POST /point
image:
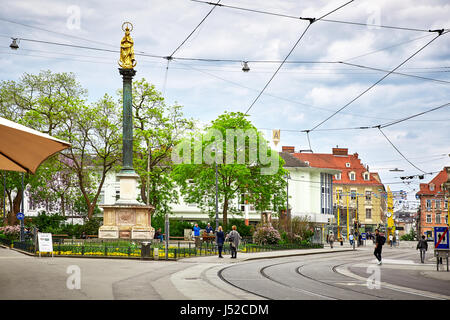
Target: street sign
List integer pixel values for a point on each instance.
(20, 216)
(363, 236)
(441, 238)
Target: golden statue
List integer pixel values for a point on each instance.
(127, 48)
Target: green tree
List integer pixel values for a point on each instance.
(240, 169)
(157, 129)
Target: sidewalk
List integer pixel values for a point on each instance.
(264, 255)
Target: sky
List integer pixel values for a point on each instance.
(299, 97)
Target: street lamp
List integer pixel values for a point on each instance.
(288, 176)
(217, 190)
(245, 68)
(14, 44)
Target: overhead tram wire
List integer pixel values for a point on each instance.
(311, 21)
(203, 20)
(325, 20)
(399, 152)
(377, 82)
(397, 73)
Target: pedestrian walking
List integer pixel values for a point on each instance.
(422, 245)
(220, 239)
(350, 238)
(379, 242)
(391, 240)
(234, 238)
(331, 239)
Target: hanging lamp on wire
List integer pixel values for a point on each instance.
(14, 45)
(245, 67)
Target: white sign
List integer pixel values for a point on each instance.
(45, 242)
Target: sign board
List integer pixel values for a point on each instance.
(45, 242)
(441, 238)
(363, 236)
(20, 216)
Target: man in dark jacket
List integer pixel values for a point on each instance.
(379, 241)
(422, 245)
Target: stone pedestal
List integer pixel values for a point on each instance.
(127, 218)
(121, 221)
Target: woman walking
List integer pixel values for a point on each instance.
(220, 239)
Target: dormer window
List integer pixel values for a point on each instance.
(431, 186)
(338, 176)
(347, 164)
(352, 176)
(366, 176)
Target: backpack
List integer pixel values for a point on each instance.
(382, 240)
(231, 237)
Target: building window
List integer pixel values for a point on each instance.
(326, 197)
(338, 195)
(438, 218)
(432, 187)
(347, 164)
(353, 195)
(368, 213)
(428, 218)
(446, 219)
(438, 204)
(368, 195)
(428, 205)
(446, 204)
(117, 194)
(338, 176)
(352, 176)
(366, 176)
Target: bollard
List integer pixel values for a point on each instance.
(156, 253)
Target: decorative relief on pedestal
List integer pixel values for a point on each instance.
(125, 216)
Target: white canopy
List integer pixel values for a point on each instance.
(23, 149)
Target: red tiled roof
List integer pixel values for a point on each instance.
(438, 180)
(331, 161)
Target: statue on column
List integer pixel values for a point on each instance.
(127, 48)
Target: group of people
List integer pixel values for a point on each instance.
(233, 238)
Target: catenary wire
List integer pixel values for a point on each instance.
(203, 20)
(325, 20)
(311, 21)
(376, 83)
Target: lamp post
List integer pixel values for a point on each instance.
(288, 215)
(22, 236)
(217, 190)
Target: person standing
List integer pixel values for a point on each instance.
(234, 238)
(197, 235)
(331, 240)
(350, 238)
(422, 245)
(379, 242)
(391, 240)
(220, 239)
(209, 229)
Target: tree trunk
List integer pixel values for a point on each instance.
(225, 214)
(12, 219)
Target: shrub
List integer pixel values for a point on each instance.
(266, 234)
(11, 232)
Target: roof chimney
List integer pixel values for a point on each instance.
(288, 149)
(356, 155)
(340, 151)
